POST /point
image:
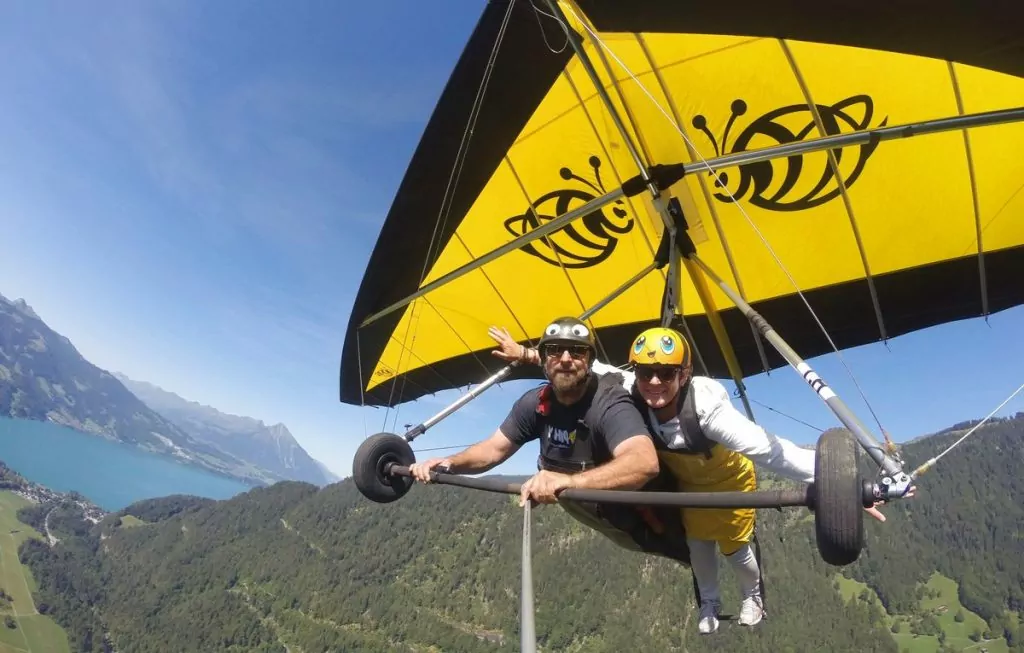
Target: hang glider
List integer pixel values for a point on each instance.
(882, 236)
(780, 180)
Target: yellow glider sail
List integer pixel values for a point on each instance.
(921, 219)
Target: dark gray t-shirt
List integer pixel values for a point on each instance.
(585, 432)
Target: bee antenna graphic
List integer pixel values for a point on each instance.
(595, 164)
(701, 123)
(739, 107)
(566, 173)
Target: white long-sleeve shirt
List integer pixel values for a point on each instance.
(722, 423)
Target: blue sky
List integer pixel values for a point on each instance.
(190, 192)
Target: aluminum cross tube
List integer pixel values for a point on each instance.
(982, 119)
(863, 137)
(503, 373)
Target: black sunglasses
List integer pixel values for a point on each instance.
(579, 352)
(663, 372)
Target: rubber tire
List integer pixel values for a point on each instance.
(368, 467)
(838, 510)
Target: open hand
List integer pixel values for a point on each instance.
(421, 471)
(544, 487)
(877, 514)
(508, 349)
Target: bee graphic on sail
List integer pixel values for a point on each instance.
(756, 180)
(574, 247)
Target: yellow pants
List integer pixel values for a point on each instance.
(725, 471)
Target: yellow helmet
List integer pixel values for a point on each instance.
(660, 346)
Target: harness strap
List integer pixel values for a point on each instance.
(566, 466)
(689, 423)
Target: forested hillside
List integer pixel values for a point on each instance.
(291, 566)
(968, 524)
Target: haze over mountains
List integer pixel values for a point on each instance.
(44, 377)
(272, 448)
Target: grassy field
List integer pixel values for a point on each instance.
(128, 521)
(944, 606)
(35, 633)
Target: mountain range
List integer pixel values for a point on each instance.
(271, 448)
(44, 377)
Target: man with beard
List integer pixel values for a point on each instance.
(591, 436)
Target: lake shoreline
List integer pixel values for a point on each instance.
(76, 426)
(110, 474)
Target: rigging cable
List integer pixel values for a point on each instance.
(795, 419)
(928, 465)
(453, 181)
(454, 446)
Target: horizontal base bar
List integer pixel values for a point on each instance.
(759, 499)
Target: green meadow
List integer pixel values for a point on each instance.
(941, 604)
(32, 632)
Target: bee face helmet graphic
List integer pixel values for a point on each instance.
(660, 346)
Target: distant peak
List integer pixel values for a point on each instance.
(22, 306)
(280, 431)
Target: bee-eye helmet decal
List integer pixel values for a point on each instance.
(568, 330)
(660, 346)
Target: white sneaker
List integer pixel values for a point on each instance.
(752, 611)
(709, 611)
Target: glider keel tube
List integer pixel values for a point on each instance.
(899, 481)
(588, 66)
(652, 178)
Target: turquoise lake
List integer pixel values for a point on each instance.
(110, 474)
